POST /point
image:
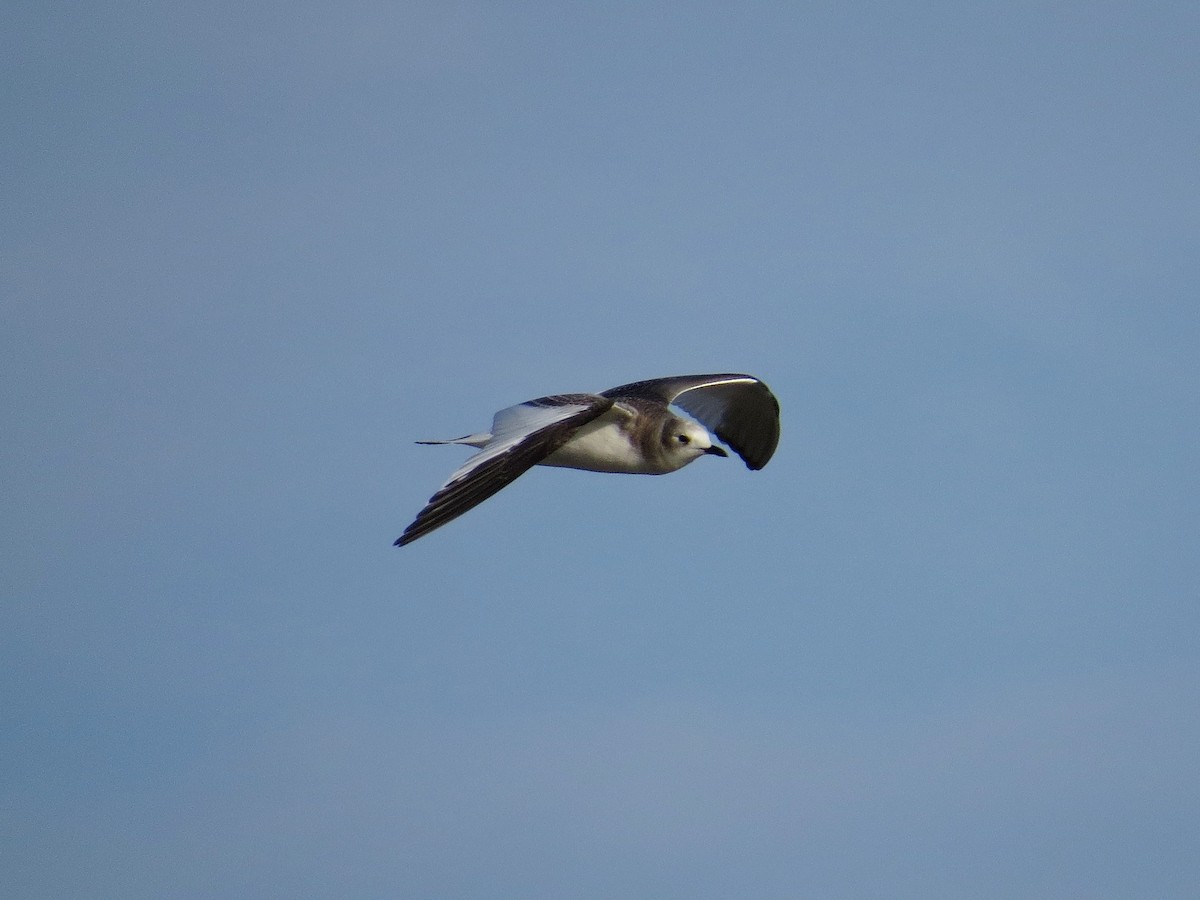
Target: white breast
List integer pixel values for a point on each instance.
(603, 445)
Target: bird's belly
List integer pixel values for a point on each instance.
(602, 446)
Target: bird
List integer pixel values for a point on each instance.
(627, 429)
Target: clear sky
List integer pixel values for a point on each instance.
(946, 645)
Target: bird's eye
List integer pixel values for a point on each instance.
(684, 439)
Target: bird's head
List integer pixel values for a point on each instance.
(684, 440)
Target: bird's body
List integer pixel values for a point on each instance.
(605, 445)
(628, 429)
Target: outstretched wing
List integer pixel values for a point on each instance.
(739, 409)
(522, 436)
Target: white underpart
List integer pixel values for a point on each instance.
(604, 445)
(599, 446)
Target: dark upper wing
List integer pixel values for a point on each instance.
(739, 409)
(522, 436)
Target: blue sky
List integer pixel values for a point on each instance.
(944, 645)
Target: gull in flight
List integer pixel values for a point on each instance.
(629, 429)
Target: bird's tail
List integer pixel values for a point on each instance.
(471, 440)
